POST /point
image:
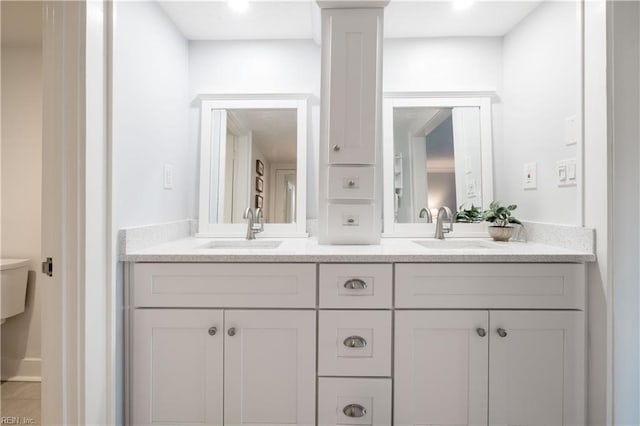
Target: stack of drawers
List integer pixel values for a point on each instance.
(355, 344)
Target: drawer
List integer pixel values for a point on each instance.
(354, 401)
(211, 285)
(352, 223)
(351, 183)
(354, 343)
(356, 286)
(506, 285)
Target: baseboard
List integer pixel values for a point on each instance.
(21, 370)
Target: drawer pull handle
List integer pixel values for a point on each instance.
(355, 342)
(502, 332)
(354, 410)
(213, 331)
(232, 331)
(481, 332)
(355, 284)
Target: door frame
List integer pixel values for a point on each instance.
(79, 357)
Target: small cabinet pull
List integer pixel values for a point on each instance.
(355, 284)
(354, 410)
(481, 331)
(213, 331)
(351, 183)
(336, 148)
(355, 342)
(232, 331)
(502, 332)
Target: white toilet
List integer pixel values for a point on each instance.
(13, 284)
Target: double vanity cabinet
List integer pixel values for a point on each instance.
(355, 343)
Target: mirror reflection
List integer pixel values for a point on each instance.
(253, 164)
(437, 161)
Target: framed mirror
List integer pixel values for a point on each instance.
(437, 152)
(253, 155)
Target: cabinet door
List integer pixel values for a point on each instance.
(537, 368)
(270, 367)
(441, 368)
(177, 367)
(354, 74)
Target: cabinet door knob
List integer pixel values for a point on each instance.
(355, 284)
(354, 410)
(352, 183)
(355, 342)
(502, 332)
(232, 331)
(336, 148)
(213, 331)
(481, 331)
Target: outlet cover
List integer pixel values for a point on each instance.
(530, 176)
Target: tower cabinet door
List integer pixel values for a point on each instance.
(353, 78)
(177, 368)
(270, 369)
(537, 368)
(441, 368)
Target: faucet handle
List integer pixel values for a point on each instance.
(259, 226)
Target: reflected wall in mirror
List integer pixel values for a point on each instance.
(437, 152)
(253, 155)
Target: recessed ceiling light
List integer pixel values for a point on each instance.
(462, 4)
(239, 6)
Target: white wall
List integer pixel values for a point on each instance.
(624, 98)
(541, 68)
(442, 64)
(252, 67)
(21, 199)
(150, 96)
(150, 118)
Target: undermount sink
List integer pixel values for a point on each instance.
(456, 244)
(244, 244)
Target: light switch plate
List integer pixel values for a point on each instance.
(571, 130)
(530, 176)
(566, 172)
(168, 176)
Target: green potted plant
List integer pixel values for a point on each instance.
(470, 215)
(501, 220)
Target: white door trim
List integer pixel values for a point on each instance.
(77, 343)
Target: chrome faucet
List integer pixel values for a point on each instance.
(444, 213)
(425, 212)
(253, 228)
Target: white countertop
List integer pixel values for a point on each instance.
(389, 250)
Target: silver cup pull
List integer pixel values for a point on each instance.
(355, 342)
(354, 410)
(213, 331)
(355, 284)
(336, 148)
(232, 331)
(502, 332)
(481, 331)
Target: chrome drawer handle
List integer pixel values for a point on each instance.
(502, 332)
(355, 342)
(355, 284)
(481, 332)
(354, 410)
(213, 331)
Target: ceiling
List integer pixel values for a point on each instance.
(21, 23)
(300, 19)
(274, 132)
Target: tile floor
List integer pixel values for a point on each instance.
(21, 400)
